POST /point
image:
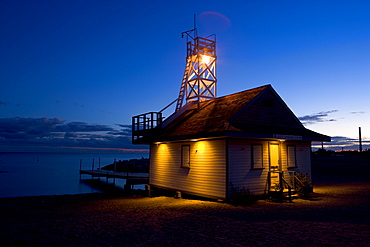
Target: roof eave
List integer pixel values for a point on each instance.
(226, 134)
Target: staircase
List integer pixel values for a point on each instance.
(284, 186)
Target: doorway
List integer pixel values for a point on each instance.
(274, 164)
(274, 157)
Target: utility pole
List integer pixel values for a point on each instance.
(360, 139)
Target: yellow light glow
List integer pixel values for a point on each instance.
(201, 146)
(162, 156)
(206, 59)
(163, 147)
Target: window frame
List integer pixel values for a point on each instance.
(253, 155)
(184, 149)
(288, 153)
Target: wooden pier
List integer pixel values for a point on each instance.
(132, 178)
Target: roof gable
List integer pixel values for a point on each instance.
(267, 109)
(259, 110)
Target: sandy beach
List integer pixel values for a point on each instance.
(338, 214)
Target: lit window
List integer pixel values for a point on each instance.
(291, 157)
(257, 161)
(185, 156)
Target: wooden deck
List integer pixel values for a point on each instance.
(131, 177)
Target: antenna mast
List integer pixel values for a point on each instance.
(195, 21)
(199, 80)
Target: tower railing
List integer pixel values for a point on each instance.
(201, 46)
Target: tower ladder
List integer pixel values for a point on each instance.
(183, 85)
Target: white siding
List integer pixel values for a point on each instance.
(206, 175)
(241, 173)
(303, 157)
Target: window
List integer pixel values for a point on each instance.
(257, 161)
(291, 157)
(185, 156)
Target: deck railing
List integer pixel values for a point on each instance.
(144, 124)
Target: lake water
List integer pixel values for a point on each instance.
(34, 174)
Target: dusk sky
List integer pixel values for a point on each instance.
(73, 73)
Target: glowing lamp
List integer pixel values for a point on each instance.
(206, 59)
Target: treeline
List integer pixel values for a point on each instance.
(132, 165)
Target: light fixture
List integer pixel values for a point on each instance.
(206, 59)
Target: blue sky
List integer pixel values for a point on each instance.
(73, 73)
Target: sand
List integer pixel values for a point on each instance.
(338, 214)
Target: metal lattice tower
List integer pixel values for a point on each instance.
(199, 81)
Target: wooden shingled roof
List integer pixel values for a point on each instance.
(254, 113)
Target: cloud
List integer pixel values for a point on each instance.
(125, 130)
(342, 140)
(358, 112)
(70, 135)
(339, 142)
(55, 132)
(82, 127)
(124, 125)
(27, 128)
(317, 117)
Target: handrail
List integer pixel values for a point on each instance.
(282, 182)
(289, 187)
(168, 105)
(286, 182)
(296, 177)
(292, 182)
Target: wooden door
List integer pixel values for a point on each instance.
(274, 164)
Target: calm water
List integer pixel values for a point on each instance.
(33, 174)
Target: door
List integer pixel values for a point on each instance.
(274, 165)
(274, 157)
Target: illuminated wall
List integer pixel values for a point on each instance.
(209, 168)
(206, 175)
